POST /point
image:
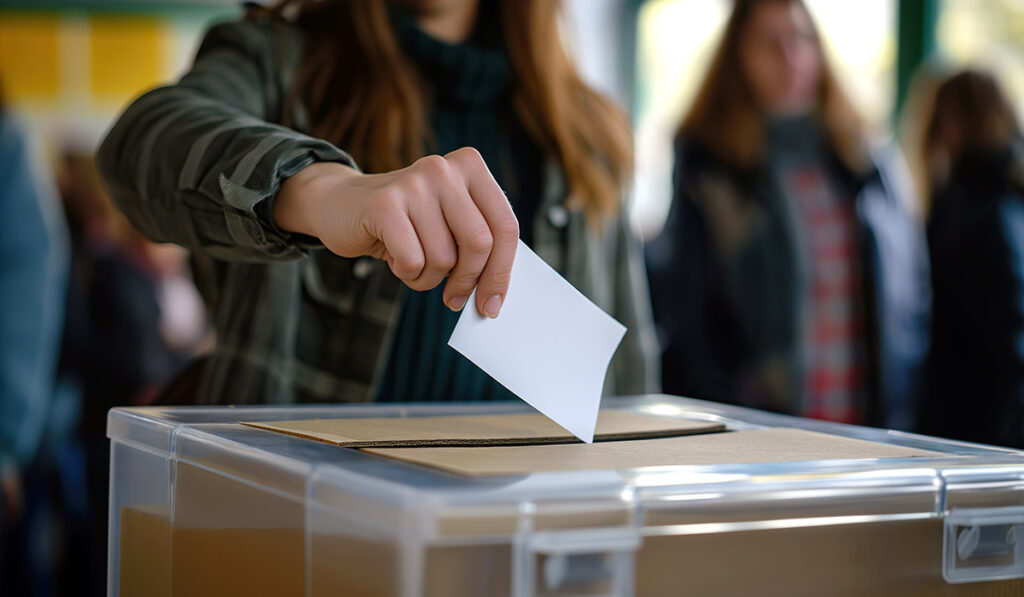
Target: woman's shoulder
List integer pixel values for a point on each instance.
(699, 167)
(693, 155)
(260, 36)
(265, 52)
(985, 180)
(254, 29)
(1015, 170)
(1011, 202)
(990, 211)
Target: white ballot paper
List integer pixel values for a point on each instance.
(549, 345)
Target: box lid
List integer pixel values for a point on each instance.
(399, 497)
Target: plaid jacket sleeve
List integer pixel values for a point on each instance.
(197, 163)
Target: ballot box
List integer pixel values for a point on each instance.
(677, 497)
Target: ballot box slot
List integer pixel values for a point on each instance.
(507, 429)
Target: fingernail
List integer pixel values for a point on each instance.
(457, 303)
(492, 306)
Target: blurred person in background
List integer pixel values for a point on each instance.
(134, 315)
(789, 276)
(975, 166)
(318, 155)
(134, 318)
(33, 277)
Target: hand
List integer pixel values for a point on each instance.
(440, 217)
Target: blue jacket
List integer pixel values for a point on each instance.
(33, 277)
(727, 289)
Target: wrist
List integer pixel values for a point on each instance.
(297, 202)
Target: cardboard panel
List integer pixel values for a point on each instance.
(734, 447)
(145, 569)
(884, 559)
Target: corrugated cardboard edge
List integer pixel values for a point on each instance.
(507, 441)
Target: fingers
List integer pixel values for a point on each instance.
(493, 206)
(402, 248)
(437, 244)
(474, 240)
(446, 217)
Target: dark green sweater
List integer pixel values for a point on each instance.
(470, 106)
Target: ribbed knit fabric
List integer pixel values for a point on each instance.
(470, 105)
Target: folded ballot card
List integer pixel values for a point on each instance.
(482, 430)
(550, 345)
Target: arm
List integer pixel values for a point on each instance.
(192, 163)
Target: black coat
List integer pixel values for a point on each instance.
(725, 288)
(976, 239)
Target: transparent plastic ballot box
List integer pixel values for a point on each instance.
(201, 505)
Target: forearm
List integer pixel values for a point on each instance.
(193, 171)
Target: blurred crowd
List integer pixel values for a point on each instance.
(802, 269)
(93, 316)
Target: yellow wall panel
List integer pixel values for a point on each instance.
(127, 56)
(29, 57)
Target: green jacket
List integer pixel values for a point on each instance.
(198, 164)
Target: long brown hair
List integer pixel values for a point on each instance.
(974, 104)
(725, 116)
(974, 101)
(365, 95)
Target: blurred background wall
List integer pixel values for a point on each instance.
(70, 65)
(875, 45)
